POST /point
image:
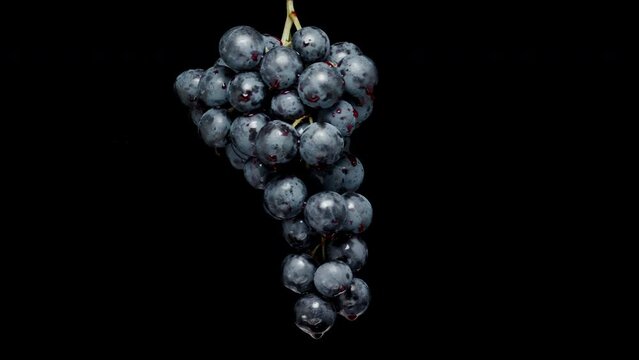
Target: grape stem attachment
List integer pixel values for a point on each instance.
(299, 120)
(321, 245)
(291, 19)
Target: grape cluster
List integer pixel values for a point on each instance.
(284, 116)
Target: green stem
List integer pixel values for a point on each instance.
(291, 19)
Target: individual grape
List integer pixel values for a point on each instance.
(281, 67)
(213, 85)
(360, 75)
(325, 211)
(353, 252)
(244, 130)
(256, 173)
(363, 108)
(340, 115)
(341, 50)
(284, 197)
(332, 278)
(287, 105)
(196, 114)
(313, 315)
(242, 48)
(297, 234)
(236, 158)
(270, 42)
(345, 175)
(297, 273)
(246, 91)
(320, 86)
(354, 302)
(277, 143)
(321, 144)
(359, 213)
(214, 127)
(311, 43)
(186, 86)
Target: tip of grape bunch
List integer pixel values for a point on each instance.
(316, 336)
(351, 317)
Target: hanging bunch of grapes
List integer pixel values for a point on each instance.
(284, 112)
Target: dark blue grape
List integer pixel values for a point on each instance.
(298, 272)
(214, 127)
(256, 173)
(345, 175)
(196, 114)
(311, 43)
(313, 315)
(353, 252)
(341, 50)
(281, 67)
(213, 85)
(271, 42)
(325, 211)
(354, 302)
(297, 234)
(236, 158)
(246, 92)
(363, 108)
(320, 86)
(359, 213)
(332, 278)
(321, 144)
(287, 105)
(277, 143)
(360, 75)
(340, 115)
(186, 86)
(242, 48)
(284, 197)
(244, 130)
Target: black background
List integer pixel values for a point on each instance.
(167, 248)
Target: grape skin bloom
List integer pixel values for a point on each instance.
(313, 315)
(298, 272)
(241, 48)
(320, 86)
(246, 92)
(312, 44)
(333, 278)
(325, 211)
(284, 197)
